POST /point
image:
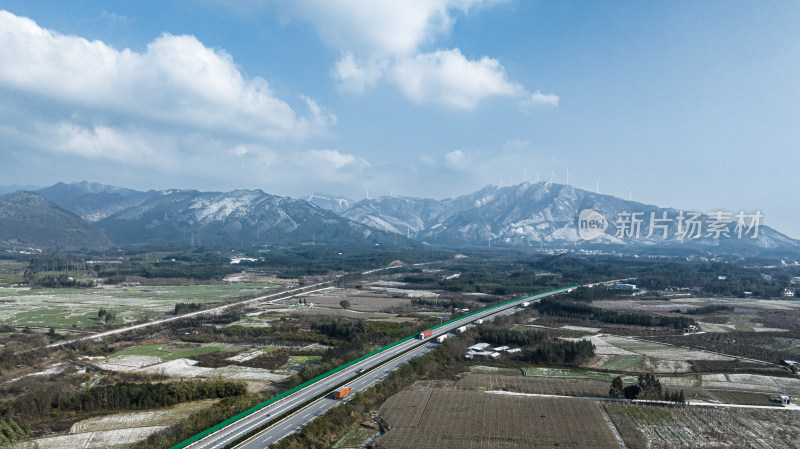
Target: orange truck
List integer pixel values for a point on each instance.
(339, 394)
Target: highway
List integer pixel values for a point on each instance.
(297, 421)
(236, 430)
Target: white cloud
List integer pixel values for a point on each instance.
(176, 80)
(455, 160)
(382, 40)
(540, 98)
(446, 77)
(355, 76)
(382, 28)
(329, 166)
(334, 159)
(100, 142)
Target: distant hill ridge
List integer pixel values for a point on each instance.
(533, 215)
(221, 219)
(27, 220)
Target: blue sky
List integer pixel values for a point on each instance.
(693, 105)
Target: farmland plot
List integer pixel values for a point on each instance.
(603, 347)
(752, 382)
(480, 369)
(65, 307)
(538, 385)
(622, 362)
(574, 373)
(359, 300)
(659, 351)
(700, 427)
(467, 419)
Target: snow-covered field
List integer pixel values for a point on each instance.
(116, 430)
(714, 327)
(245, 356)
(679, 381)
(408, 293)
(659, 351)
(752, 382)
(582, 329)
(602, 347)
(101, 439)
(185, 368)
(129, 362)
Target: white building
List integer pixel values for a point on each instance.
(479, 346)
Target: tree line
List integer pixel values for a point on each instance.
(559, 352)
(56, 398)
(570, 309)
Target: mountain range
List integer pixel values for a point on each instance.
(234, 219)
(536, 215)
(546, 214)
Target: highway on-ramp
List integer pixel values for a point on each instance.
(259, 418)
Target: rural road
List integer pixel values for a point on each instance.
(273, 296)
(280, 295)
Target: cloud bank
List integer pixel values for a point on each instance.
(383, 40)
(100, 102)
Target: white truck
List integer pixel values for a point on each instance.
(441, 338)
(461, 329)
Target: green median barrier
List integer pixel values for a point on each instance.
(269, 402)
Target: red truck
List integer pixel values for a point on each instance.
(339, 394)
(424, 334)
